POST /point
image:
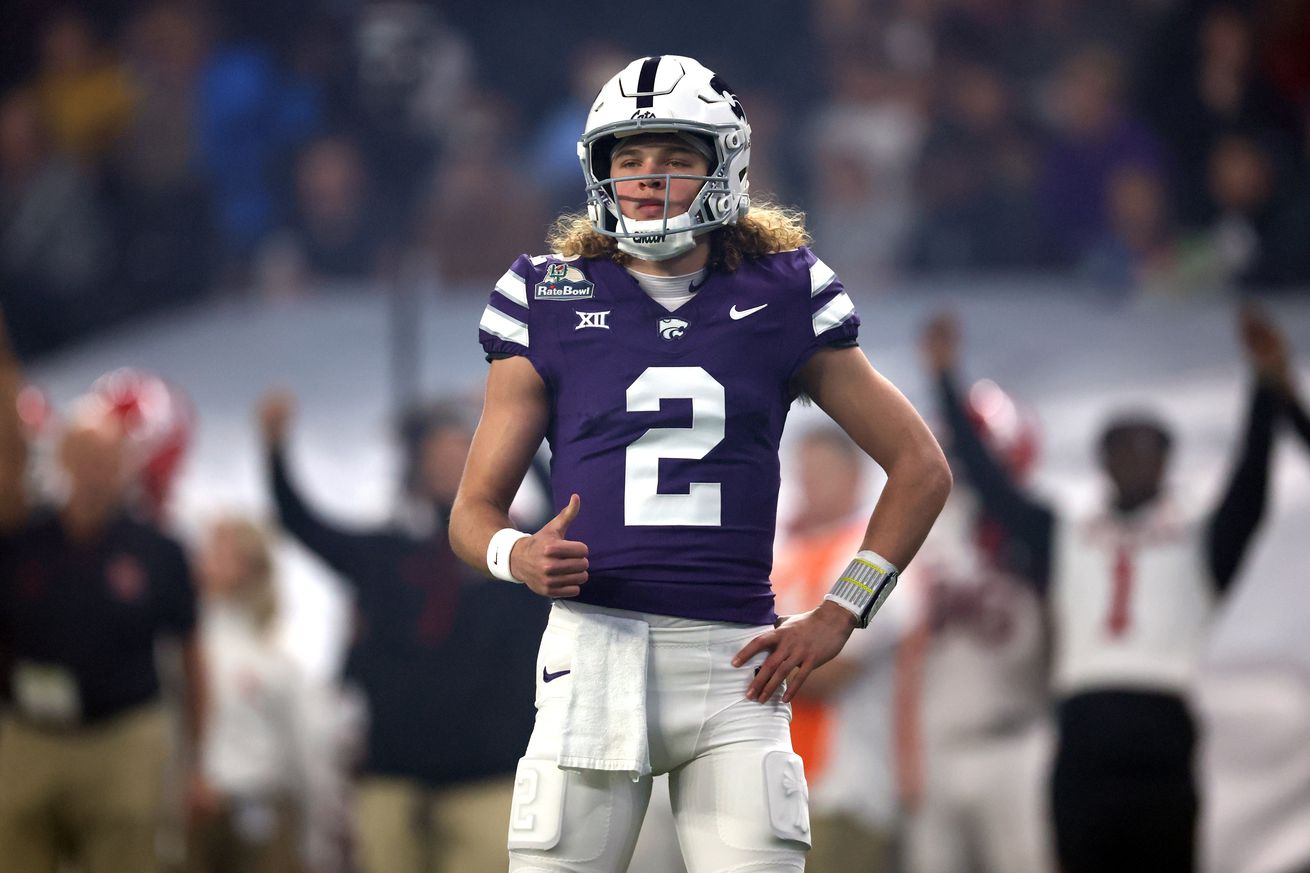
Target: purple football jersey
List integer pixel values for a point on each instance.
(667, 423)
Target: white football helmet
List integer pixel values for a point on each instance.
(667, 94)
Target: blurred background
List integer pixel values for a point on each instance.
(318, 196)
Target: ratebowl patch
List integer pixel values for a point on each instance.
(563, 282)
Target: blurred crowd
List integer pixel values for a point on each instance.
(156, 153)
(161, 151)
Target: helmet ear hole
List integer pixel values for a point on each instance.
(732, 140)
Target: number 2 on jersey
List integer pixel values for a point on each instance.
(643, 504)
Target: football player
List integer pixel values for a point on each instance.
(658, 349)
(972, 703)
(1132, 589)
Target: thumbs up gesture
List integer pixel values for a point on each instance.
(548, 563)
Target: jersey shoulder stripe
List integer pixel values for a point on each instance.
(513, 286)
(503, 328)
(832, 312)
(507, 328)
(821, 276)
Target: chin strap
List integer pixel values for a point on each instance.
(661, 247)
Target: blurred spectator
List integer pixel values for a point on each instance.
(841, 719)
(413, 76)
(86, 592)
(340, 230)
(166, 45)
(864, 146)
(1283, 43)
(84, 92)
(1261, 228)
(553, 154)
(253, 115)
(1034, 39)
(444, 660)
(160, 204)
(976, 178)
(1093, 135)
(259, 754)
(481, 186)
(1133, 588)
(1141, 250)
(1200, 82)
(973, 730)
(53, 238)
(192, 126)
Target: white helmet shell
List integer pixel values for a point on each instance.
(678, 95)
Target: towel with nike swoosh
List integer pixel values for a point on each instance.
(605, 722)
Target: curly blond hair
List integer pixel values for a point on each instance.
(766, 229)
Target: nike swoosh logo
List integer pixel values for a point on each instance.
(742, 313)
(547, 676)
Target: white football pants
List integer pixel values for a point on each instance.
(738, 791)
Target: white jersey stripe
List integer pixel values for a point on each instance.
(512, 286)
(499, 324)
(821, 276)
(837, 310)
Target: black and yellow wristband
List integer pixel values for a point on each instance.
(863, 586)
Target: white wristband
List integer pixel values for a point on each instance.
(502, 543)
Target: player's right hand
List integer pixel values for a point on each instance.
(275, 411)
(548, 563)
(941, 343)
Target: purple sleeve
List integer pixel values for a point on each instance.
(503, 330)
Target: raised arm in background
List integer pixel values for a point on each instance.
(1243, 504)
(348, 552)
(1022, 517)
(1277, 370)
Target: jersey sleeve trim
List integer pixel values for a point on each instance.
(513, 286)
(498, 324)
(821, 276)
(835, 312)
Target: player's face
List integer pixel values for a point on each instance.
(94, 454)
(442, 464)
(222, 565)
(643, 199)
(1134, 459)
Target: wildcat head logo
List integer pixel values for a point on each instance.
(672, 328)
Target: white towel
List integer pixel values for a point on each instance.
(605, 724)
